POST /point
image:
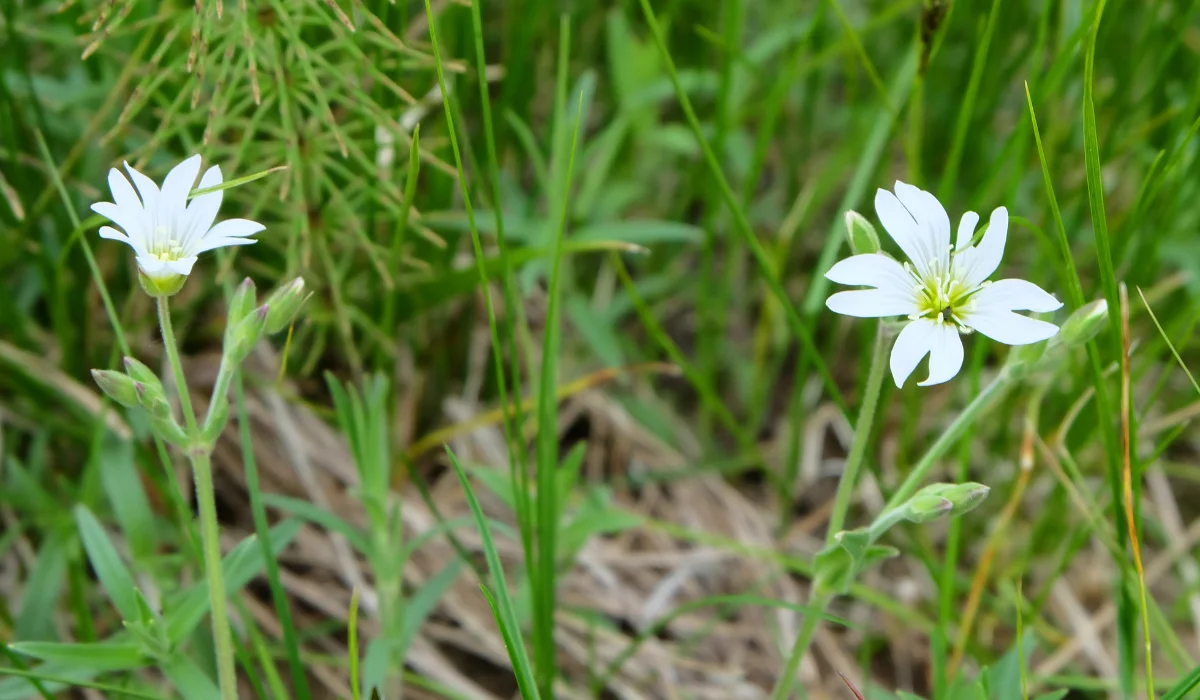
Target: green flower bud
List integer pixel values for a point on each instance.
(245, 335)
(1083, 325)
(116, 386)
(242, 303)
(283, 304)
(139, 372)
(966, 497)
(924, 508)
(937, 500)
(862, 235)
(153, 399)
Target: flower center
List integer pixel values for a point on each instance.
(163, 248)
(941, 296)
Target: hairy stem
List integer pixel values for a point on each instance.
(198, 454)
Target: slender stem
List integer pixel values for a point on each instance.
(198, 454)
(862, 434)
(984, 400)
(172, 348)
(783, 688)
(841, 505)
(220, 394)
(818, 601)
(210, 539)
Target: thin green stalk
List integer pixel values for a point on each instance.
(198, 454)
(841, 504)
(985, 399)
(518, 469)
(862, 434)
(258, 512)
(982, 401)
(812, 622)
(548, 509)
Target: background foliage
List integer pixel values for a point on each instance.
(633, 282)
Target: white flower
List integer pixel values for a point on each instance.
(164, 230)
(943, 291)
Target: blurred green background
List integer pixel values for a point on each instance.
(698, 398)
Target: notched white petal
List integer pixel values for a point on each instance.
(966, 230)
(234, 228)
(872, 270)
(926, 210)
(945, 354)
(179, 183)
(145, 187)
(1007, 327)
(123, 193)
(901, 226)
(211, 243)
(871, 303)
(1017, 295)
(911, 346)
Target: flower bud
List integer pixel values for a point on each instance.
(240, 305)
(283, 304)
(139, 372)
(924, 508)
(116, 386)
(937, 500)
(245, 335)
(862, 235)
(1083, 325)
(152, 398)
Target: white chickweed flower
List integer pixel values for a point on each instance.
(943, 291)
(164, 230)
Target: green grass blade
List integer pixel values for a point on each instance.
(258, 512)
(502, 603)
(111, 571)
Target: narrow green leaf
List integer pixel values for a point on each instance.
(109, 567)
(502, 605)
(190, 682)
(103, 656)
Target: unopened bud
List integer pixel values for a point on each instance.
(139, 372)
(152, 399)
(862, 235)
(284, 303)
(1083, 325)
(116, 386)
(240, 305)
(245, 335)
(937, 500)
(924, 508)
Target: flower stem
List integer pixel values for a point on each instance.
(198, 454)
(818, 601)
(984, 400)
(841, 505)
(862, 435)
(172, 348)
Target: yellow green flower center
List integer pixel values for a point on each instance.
(164, 248)
(941, 296)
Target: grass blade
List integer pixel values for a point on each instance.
(502, 603)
